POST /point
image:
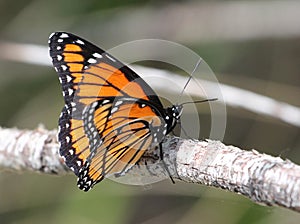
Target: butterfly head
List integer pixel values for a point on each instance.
(173, 114)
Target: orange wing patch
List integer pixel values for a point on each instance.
(80, 142)
(75, 67)
(73, 57)
(72, 48)
(102, 80)
(119, 80)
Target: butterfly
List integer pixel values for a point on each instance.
(111, 116)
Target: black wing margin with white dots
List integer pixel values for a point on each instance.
(118, 137)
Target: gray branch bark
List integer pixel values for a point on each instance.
(262, 178)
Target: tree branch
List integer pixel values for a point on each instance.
(26, 150)
(262, 178)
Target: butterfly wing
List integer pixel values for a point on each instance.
(118, 136)
(90, 75)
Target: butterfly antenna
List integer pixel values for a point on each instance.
(191, 76)
(197, 101)
(200, 101)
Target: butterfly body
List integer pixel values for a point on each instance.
(111, 116)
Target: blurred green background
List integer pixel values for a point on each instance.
(253, 45)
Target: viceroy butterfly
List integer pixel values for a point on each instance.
(111, 116)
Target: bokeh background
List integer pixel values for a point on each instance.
(253, 45)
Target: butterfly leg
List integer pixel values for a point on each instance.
(164, 164)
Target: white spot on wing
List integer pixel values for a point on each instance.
(89, 183)
(70, 91)
(92, 60)
(97, 55)
(60, 40)
(59, 57)
(64, 35)
(84, 110)
(119, 102)
(69, 78)
(79, 42)
(114, 109)
(64, 67)
(68, 139)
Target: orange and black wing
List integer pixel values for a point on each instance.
(91, 76)
(119, 130)
(88, 74)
